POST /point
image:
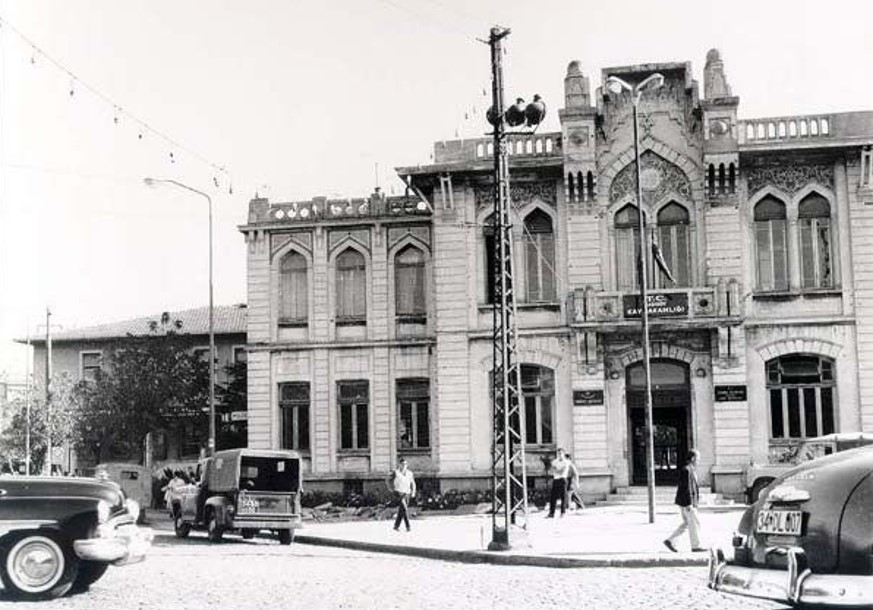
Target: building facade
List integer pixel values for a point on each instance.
(78, 353)
(369, 328)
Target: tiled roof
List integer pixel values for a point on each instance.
(229, 319)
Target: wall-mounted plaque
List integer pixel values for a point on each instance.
(584, 398)
(730, 393)
(659, 305)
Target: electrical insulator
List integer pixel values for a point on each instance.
(535, 111)
(515, 113)
(491, 116)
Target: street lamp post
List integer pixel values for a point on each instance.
(616, 85)
(154, 182)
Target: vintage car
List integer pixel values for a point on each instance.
(808, 538)
(245, 490)
(759, 476)
(59, 534)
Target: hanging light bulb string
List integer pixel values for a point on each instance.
(118, 110)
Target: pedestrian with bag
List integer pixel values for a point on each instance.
(401, 482)
(574, 500)
(687, 498)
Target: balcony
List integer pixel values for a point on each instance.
(679, 308)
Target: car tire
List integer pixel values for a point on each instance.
(180, 527)
(757, 488)
(213, 530)
(248, 533)
(89, 573)
(286, 537)
(38, 566)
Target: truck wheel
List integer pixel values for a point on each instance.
(757, 488)
(248, 533)
(213, 529)
(89, 573)
(38, 566)
(180, 527)
(286, 537)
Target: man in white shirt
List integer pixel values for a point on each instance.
(559, 470)
(402, 483)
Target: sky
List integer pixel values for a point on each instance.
(289, 100)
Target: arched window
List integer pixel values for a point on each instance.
(538, 392)
(351, 287)
(674, 242)
(627, 243)
(539, 250)
(816, 251)
(801, 396)
(409, 283)
(488, 237)
(293, 289)
(771, 245)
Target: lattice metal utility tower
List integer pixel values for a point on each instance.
(508, 474)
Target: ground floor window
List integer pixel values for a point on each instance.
(538, 392)
(354, 404)
(413, 412)
(801, 396)
(294, 413)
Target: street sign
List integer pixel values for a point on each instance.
(730, 393)
(239, 415)
(585, 398)
(659, 305)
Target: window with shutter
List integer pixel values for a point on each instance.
(293, 289)
(409, 283)
(816, 252)
(351, 289)
(771, 244)
(673, 221)
(539, 240)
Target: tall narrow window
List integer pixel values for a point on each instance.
(488, 236)
(294, 413)
(627, 243)
(351, 289)
(413, 414)
(538, 393)
(409, 288)
(293, 289)
(539, 252)
(816, 251)
(771, 244)
(90, 365)
(801, 396)
(354, 403)
(673, 239)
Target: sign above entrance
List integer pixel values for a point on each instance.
(585, 398)
(658, 305)
(730, 393)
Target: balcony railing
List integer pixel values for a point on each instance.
(789, 128)
(591, 306)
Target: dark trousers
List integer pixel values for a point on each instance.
(402, 513)
(559, 490)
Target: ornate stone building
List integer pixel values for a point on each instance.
(369, 320)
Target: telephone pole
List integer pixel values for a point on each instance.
(48, 391)
(509, 477)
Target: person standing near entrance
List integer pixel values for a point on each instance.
(559, 469)
(574, 499)
(687, 498)
(402, 483)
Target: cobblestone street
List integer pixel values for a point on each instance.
(188, 574)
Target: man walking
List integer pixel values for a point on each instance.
(687, 498)
(402, 483)
(559, 470)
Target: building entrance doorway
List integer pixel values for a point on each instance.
(671, 406)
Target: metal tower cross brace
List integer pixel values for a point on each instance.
(509, 476)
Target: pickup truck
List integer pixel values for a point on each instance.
(244, 490)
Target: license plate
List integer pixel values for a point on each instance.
(787, 522)
(248, 505)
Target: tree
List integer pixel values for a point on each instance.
(64, 424)
(146, 383)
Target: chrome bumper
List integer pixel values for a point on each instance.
(265, 524)
(797, 585)
(119, 542)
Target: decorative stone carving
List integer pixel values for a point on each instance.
(715, 83)
(521, 193)
(361, 236)
(395, 234)
(665, 178)
(789, 178)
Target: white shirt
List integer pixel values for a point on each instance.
(404, 481)
(560, 469)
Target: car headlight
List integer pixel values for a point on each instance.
(133, 508)
(103, 510)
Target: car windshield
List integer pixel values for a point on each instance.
(269, 474)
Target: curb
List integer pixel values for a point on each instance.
(512, 559)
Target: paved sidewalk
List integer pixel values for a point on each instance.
(594, 537)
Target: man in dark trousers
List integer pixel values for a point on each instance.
(687, 498)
